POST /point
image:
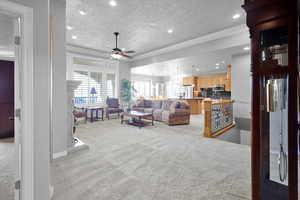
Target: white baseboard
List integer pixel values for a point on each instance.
(60, 154)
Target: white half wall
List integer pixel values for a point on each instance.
(59, 90)
(41, 102)
(241, 85)
(241, 93)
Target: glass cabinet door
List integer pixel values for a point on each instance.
(274, 128)
(274, 82)
(274, 47)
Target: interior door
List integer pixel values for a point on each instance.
(6, 99)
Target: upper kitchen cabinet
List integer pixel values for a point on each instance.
(189, 80)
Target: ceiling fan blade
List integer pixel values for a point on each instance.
(129, 52)
(125, 55)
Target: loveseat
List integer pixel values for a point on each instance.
(172, 112)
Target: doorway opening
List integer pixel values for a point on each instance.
(7, 106)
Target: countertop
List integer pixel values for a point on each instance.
(195, 98)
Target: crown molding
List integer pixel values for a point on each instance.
(76, 49)
(206, 38)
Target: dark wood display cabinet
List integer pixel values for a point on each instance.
(275, 93)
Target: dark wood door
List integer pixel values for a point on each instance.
(6, 99)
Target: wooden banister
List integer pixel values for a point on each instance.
(218, 117)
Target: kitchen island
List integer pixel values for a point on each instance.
(195, 103)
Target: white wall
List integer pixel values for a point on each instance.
(241, 84)
(41, 96)
(59, 100)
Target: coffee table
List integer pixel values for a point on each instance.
(137, 118)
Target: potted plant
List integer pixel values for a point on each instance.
(127, 93)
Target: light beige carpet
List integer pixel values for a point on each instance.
(6, 169)
(152, 163)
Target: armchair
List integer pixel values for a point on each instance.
(113, 107)
(78, 114)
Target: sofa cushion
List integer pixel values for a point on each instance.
(147, 103)
(178, 104)
(157, 114)
(112, 102)
(156, 104)
(148, 110)
(165, 115)
(183, 105)
(114, 110)
(139, 103)
(166, 105)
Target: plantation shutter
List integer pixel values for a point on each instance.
(81, 94)
(111, 85)
(96, 82)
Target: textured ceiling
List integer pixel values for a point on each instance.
(143, 24)
(6, 35)
(197, 65)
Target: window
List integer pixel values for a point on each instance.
(98, 78)
(95, 81)
(111, 85)
(81, 94)
(142, 88)
(92, 89)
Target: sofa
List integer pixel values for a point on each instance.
(172, 112)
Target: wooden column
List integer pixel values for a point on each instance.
(207, 106)
(228, 79)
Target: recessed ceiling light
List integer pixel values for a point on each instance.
(113, 3)
(236, 16)
(82, 12)
(246, 48)
(217, 67)
(217, 64)
(123, 49)
(69, 28)
(170, 31)
(197, 69)
(74, 37)
(223, 62)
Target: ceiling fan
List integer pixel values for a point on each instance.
(118, 53)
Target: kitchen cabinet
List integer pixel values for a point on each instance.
(210, 81)
(189, 81)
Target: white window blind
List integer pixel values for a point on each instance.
(111, 85)
(96, 82)
(89, 80)
(81, 94)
